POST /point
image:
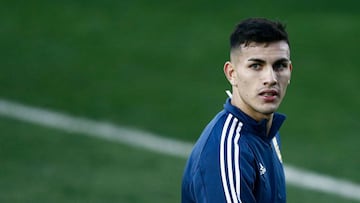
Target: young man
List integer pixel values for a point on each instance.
(237, 157)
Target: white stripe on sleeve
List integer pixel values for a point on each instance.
(229, 159)
(237, 159)
(222, 159)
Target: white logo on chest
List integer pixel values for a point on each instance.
(262, 169)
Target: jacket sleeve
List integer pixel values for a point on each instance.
(228, 182)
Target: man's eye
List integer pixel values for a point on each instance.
(255, 66)
(280, 66)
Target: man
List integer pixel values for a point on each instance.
(237, 157)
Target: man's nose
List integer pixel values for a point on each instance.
(270, 78)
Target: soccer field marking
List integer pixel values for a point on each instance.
(52, 119)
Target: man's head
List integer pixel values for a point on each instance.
(259, 69)
(258, 30)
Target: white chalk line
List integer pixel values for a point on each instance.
(133, 137)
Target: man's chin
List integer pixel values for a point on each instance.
(268, 111)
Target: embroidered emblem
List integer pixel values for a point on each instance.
(262, 169)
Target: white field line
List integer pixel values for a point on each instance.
(51, 119)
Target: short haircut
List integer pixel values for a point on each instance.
(259, 30)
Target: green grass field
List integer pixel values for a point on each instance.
(157, 66)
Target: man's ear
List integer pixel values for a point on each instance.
(290, 68)
(230, 72)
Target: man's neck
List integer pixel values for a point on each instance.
(269, 124)
(236, 101)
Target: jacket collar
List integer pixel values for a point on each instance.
(253, 126)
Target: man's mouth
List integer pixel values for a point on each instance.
(269, 95)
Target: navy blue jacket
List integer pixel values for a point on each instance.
(234, 160)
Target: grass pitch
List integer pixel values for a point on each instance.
(158, 66)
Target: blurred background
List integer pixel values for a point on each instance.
(157, 66)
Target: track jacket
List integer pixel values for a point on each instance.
(235, 161)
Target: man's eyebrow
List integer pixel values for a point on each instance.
(257, 60)
(282, 60)
(263, 61)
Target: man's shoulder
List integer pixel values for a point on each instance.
(214, 128)
(216, 123)
(210, 136)
(224, 128)
(227, 126)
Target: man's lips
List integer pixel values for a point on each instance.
(269, 95)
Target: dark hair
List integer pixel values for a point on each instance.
(258, 30)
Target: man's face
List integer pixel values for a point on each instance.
(259, 74)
